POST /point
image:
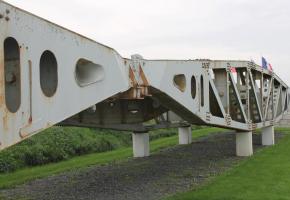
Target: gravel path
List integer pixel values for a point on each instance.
(172, 170)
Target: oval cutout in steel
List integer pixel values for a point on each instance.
(193, 87)
(180, 82)
(12, 74)
(201, 91)
(87, 72)
(48, 73)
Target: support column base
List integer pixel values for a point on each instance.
(268, 136)
(141, 147)
(244, 144)
(185, 135)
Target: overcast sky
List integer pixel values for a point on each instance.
(179, 29)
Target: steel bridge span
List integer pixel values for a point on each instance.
(52, 76)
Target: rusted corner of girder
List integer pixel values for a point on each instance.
(143, 77)
(139, 83)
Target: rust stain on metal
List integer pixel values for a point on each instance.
(1, 100)
(132, 77)
(5, 121)
(23, 134)
(30, 120)
(143, 77)
(139, 88)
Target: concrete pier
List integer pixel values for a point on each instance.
(141, 146)
(184, 134)
(268, 136)
(244, 144)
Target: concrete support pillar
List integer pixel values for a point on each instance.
(244, 144)
(268, 137)
(141, 146)
(185, 136)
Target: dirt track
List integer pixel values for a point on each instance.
(173, 170)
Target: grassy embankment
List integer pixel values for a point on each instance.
(264, 176)
(62, 143)
(116, 141)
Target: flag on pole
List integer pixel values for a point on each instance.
(264, 63)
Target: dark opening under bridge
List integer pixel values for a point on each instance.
(52, 76)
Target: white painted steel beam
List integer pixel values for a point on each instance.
(52, 76)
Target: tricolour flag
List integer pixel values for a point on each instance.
(264, 63)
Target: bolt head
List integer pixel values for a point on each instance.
(10, 77)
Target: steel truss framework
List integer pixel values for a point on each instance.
(52, 76)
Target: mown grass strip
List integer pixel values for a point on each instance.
(264, 176)
(28, 174)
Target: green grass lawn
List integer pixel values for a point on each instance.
(31, 173)
(264, 176)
